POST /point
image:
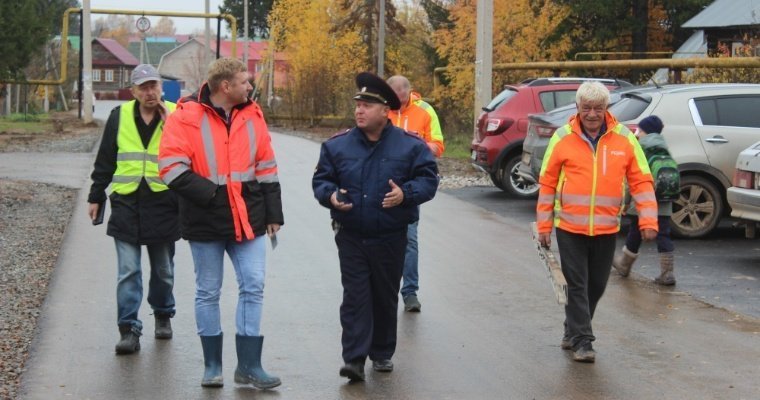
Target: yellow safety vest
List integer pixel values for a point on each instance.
(133, 161)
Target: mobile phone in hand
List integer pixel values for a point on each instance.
(101, 213)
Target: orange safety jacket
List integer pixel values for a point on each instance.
(238, 156)
(419, 117)
(582, 190)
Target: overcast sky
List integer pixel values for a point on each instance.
(184, 25)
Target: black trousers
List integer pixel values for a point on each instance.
(371, 275)
(586, 262)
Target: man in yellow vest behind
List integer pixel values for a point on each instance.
(143, 210)
(419, 117)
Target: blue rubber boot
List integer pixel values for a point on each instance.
(249, 370)
(212, 360)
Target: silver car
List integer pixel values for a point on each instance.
(744, 196)
(706, 127)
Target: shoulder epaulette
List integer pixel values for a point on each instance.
(339, 134)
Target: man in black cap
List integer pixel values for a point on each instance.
(372, 178)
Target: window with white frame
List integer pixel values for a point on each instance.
(96, 75)
(109, 75)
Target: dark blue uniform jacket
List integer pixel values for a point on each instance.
(349, 161)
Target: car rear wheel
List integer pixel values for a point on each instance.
(698, 209)
(512, 183)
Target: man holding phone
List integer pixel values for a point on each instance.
(143, 210)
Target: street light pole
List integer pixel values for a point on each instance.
(381, 41)
(245, 32)
(86, 62)
(208, 43)
(483, 57)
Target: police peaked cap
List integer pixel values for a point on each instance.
(374, 89)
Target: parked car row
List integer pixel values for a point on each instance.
(706, 127)
(503, 124)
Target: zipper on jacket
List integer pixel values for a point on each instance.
(592, 204)
(604, 160)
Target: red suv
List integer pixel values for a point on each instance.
(503, 124)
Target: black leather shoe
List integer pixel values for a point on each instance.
(354, 371)
(585, 354)
(163, 327)
(130, 340)
(382, 365)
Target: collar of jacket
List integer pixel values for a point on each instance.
(387, 128)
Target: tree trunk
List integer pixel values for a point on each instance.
(639, 33)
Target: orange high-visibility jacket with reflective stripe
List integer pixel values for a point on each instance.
(196, 139)
(582, 190)
(420, 118)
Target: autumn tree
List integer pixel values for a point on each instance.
(323, 62)
(164, 27)
(117, 27)
(27, 26)
(362, 16)
(520, 29)
(258, 14)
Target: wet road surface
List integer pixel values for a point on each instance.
(489, 327)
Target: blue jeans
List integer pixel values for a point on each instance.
(129, 288)
(249, 260)
(411, 273)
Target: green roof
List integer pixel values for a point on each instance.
(155, 51)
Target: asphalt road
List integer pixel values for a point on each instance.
(722, 269)
(489, 327)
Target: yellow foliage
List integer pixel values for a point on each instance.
(519, 35)
(323, 63)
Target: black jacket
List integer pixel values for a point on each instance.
(141, 217)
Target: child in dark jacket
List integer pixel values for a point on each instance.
(651, 140)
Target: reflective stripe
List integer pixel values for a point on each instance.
(648, 213)
(175, 172)
(608, 220)
(576, 199)
(644, 197)
(246, 176)
(126, 178)
(165, 162)
(268, 178)
(266, 165)
(136, 156)
(543, 216)
(573, 218)
(154, 179)
(608, 201)
(251, 140)
(208, 147)
(546, 198)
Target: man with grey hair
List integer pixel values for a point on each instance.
(419, 117)
(581, 193)
(143, 210)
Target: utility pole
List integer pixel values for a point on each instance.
(381, 41)
(206, 60)
(245, 32)
(483, 58)
(86, 62)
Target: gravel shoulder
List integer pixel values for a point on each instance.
(33, 219)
